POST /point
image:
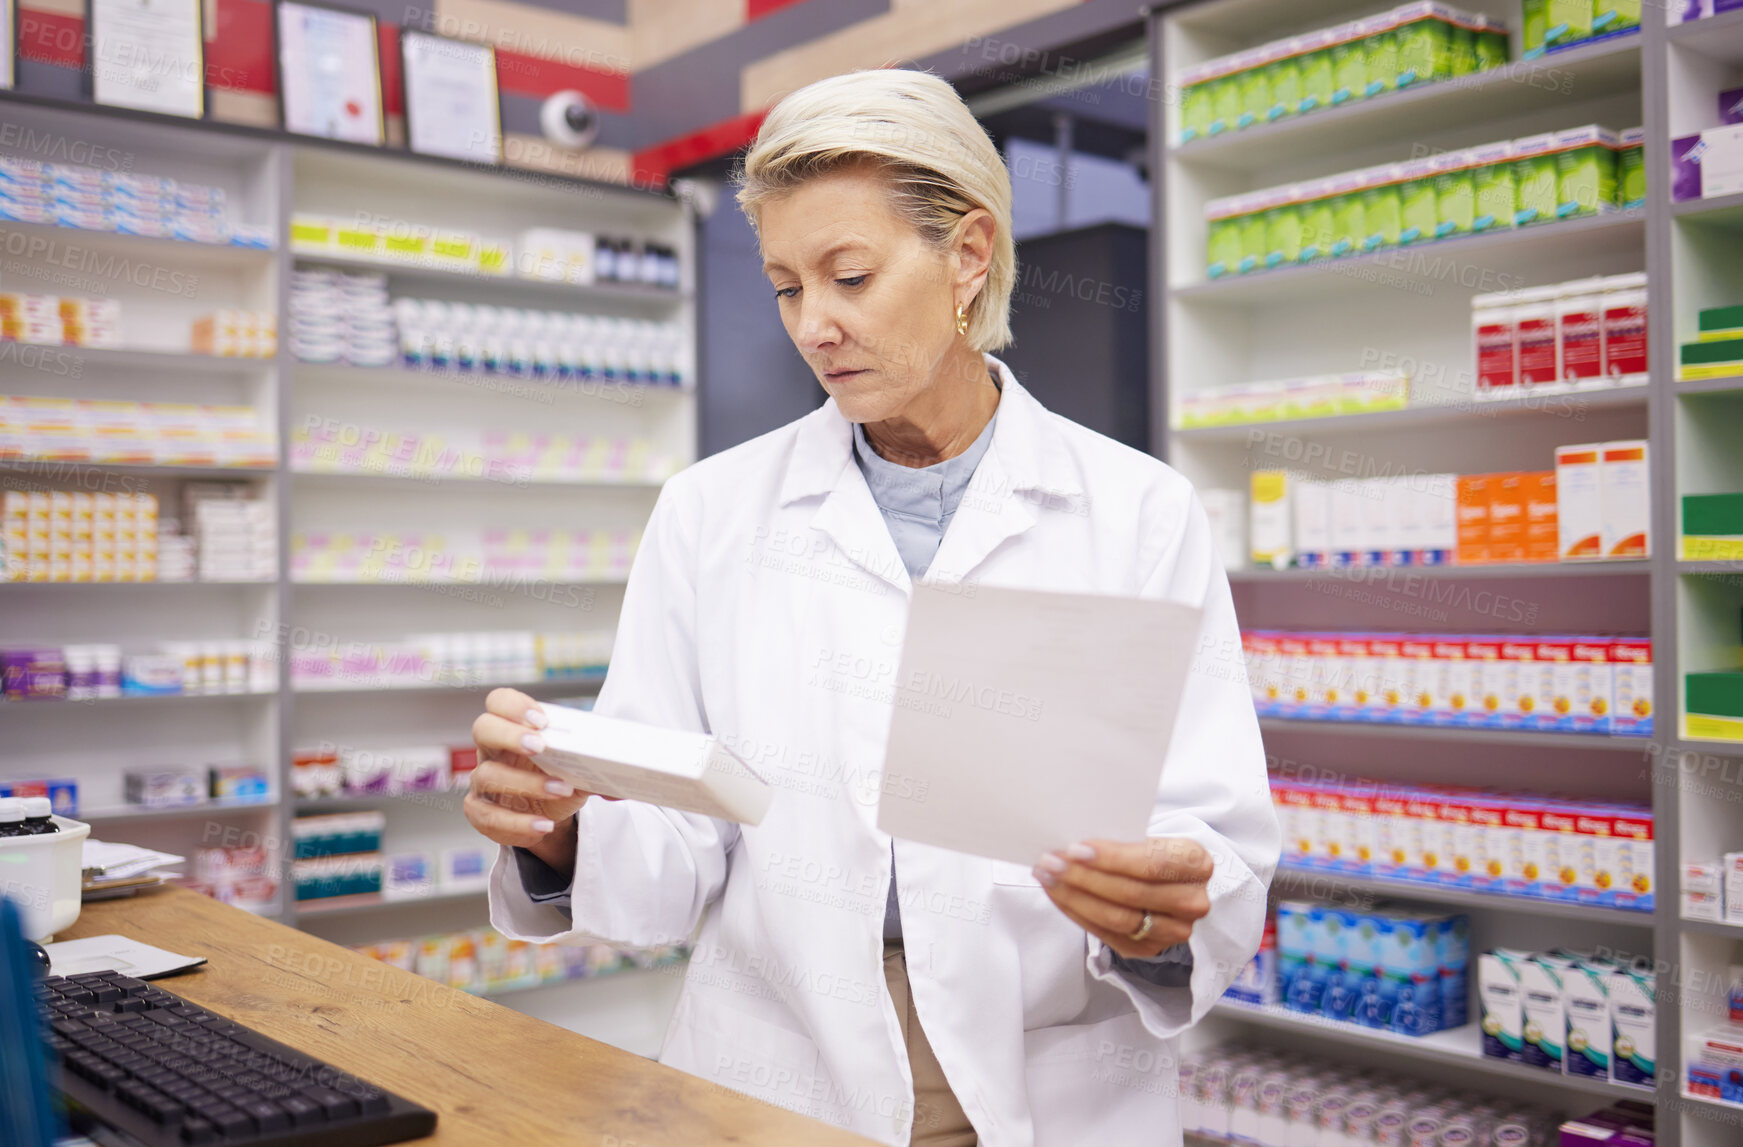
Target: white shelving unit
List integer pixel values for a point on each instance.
(1409, 308)
(163, 285)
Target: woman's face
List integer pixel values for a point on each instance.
(870, 305)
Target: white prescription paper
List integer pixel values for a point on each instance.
(1026, 720)
(116, 954)
(690, 772)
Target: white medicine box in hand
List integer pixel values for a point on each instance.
(689, 772)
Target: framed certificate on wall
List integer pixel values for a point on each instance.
(149, 55)
(451, 103)
(9, 50)
(329, 72)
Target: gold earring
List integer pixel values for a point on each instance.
(961, 320)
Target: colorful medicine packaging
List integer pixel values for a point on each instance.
(1603, 496)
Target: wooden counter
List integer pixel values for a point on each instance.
(491, 1074)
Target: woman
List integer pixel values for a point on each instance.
(910, 993)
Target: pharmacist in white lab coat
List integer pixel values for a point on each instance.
(910, 993)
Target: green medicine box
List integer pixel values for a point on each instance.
(1381, 46)
(1383, 210)
(1283, 234)
(1348, 223)
(1717, 323)
(1285, 87)
(1631, 169)
(1255, 88)
(1494, 49)
(1225, 103)
(1536, 184)
(1349, 62)
(1223, 240)
(1455, 195)
(1425, 51)
(1534, 27)
(1712, 527)
(1568, 22)
(1585, 171)
(1713, 706)
(1255, 238)
(1314, 65)
(1714, 358)
(1493, 188)
(1418, 202)
(1317, 228)
(1195, 111)
(1614, 15)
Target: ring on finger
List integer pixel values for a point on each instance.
(1143, 929)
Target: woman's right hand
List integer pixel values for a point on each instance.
(511, 800)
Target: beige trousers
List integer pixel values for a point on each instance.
(938, 1118)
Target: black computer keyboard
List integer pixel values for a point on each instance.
(146, 1063)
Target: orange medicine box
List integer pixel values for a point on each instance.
(1507, 517)
(1541, 538)
(1473, 520)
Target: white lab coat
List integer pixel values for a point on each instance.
(766, 606)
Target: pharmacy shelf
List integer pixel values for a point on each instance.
(1461, 1046)
(1709, 569)
(342, 801)
(346, 477)
(1503, 571)
(129, 358)
(135, 699)
(1608, 67)
(172, 253)
(502, 284)
(1716, 37)
(1414, 267)
(1707, 1107)
(59, 467)
(513, 385)
(114, 585)
(1726, 210)
(368, 902)
(1311, 878)
(541, 684)
(1474, 737)
(134, 812)
(1558, 405)
(509, 581)
(1724, 385)
(1714, 928)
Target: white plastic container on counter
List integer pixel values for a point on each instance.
(43, 876)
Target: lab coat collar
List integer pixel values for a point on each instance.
(1028, 445)
(1027, 456)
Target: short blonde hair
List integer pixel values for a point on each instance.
(916, 129)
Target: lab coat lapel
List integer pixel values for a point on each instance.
(822, 464)
(990, 514)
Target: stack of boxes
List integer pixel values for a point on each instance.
(337, 854)
(1573, 1013)
(1272, 1098)
(1393, 968)
(341, 317)
(233, 532)
(133, 433)
(1554, 25)
(484, 961)
(494, 556)
(459, 659)
(236, 334)
(60, 320)
(1492, 841)
(120, 201)
(65, 536)
(412, 244)
(330, 446)
(1717, 352)
(1538, 179)
(1595, 505)
(1410, 45)
(1576, 683)
(1318, 396)
(1580, 335)
(331, 770)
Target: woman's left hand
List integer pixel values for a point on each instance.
(1106, 887)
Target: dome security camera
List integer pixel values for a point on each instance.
(570, 119)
